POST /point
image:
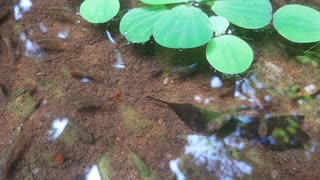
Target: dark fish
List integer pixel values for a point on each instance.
(87, 101)
(188, 113)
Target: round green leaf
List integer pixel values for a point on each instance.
(137, 25)
(163, 1)
(229, 54)
(99, 11)
(298, 23)
(183, 27)
(219, 24)
(250, 14)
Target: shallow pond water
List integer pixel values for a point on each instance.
(78, 101)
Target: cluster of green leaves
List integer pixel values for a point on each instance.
(99, 11)
(182, 24)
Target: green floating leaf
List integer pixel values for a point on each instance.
(250, 14)
(163, 1)
(183, 27)
(297, 23)
(99, 11)
(229, 54)
(219, 24)
(137, 25)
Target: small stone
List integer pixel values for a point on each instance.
(166, 81)
(35, 171)
(274, 174)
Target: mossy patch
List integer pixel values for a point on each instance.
(136, 122)
(105, 168)
(22, 104)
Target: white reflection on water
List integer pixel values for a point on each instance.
(63, 34)
(32, 49)
(17, 13)
(110, 37)
(43, 28)
(210, 151)
(119, 64)
(216, 82)
(174, 166)
(57, 128)
(93, 173)
(23, 7)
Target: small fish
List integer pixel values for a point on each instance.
(78, 74)
(188, 113)
(86, 101)
(8, 42)
(185, 71)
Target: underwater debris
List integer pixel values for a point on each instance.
(86, 101)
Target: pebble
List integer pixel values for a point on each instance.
(166, 81)
(274, 174)
(35, 171)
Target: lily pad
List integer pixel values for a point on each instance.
(219, 24)
(250, 14)
(297, 23)
(163, 1)
(183, 27)
(99, 11)
(137, 25)
(229, 54)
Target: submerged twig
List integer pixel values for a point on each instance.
(8, 44)
(5, 9)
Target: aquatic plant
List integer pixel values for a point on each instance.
(182, 24)
(99, 11)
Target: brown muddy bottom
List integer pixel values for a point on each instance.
(99, 90)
